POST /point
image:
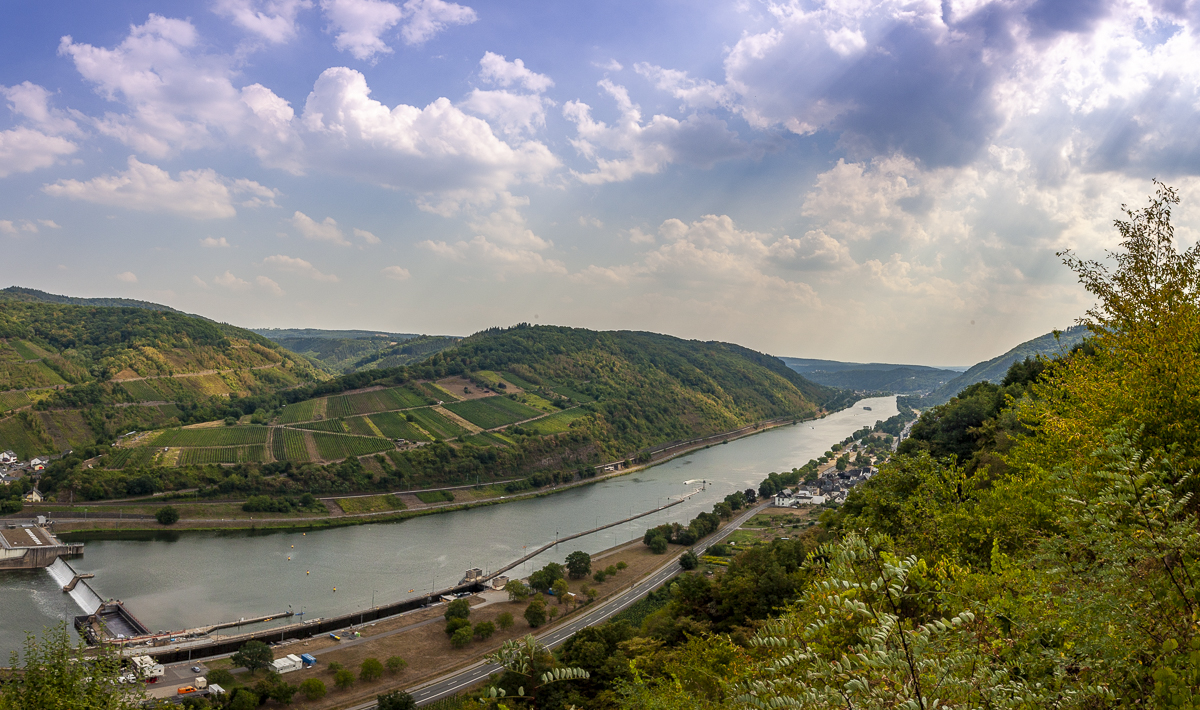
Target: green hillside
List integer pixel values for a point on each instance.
(872, 377)
(80, 373)
(1048, 345)
(344, 351)
(539, 404)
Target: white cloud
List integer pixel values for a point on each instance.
(270, 285)
(396, 273)
(299, 267)
(127, 277)
(360, 25)
(49, 223)
(32, 102)
(494, 68)
(7, 227)
(425, 18)
(325, 231)
(214, 243)
(438, 151)
(272, 20)
(590, 222)
(366, 236)
(24, 150)
(504, 243)
(610, 65)
(231, 282)
(512, 113)
(199, 282)
(202, 194)
(700, 140)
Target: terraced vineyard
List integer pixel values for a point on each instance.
(492, 412)
(340, 446)
(487, 438)
(556, 423)
(348, 405)
(288, 445)
(360, 426)
(332, 425)
(142, 391)
(137, 456)
(395, 426)
(573, 394)
(436, 424)
(223, 454)
(12, 400)
(298, 412)
(214, 436)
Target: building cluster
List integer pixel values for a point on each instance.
(830, 487)
(13, 469)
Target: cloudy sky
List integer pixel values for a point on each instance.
(848, 179)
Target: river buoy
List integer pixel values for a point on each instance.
(289, 558)
(307, 572)
(293, 547)
(335, 589)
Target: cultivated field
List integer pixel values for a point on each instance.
(492, 412)
(223, 454)
(340, 446)
(556, 423)
(395, 426)
(288, 445)
(436, 424)
(215, 436)
(298, 412)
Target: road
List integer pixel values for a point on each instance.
(454, 682)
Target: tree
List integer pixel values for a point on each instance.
(253, 656)
(458, 609)
(592, 594)
(456, 624)
(274, 687)
(543, 580)
(535, 613)
(600, 576)
(343, 678)
(312, 688)
(371, 669)
(658, 545)
(533, 666)
(579, 564)
(220, 677)
(622, 565)
(395, 700)
(484, 630)
(55, 674)
(517, 591)
(504, 620)
(689, 561)
(243, 699)
(167, 515)
(561, 590)
(462, 637)
(395, 664)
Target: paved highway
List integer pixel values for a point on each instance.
(454, 682)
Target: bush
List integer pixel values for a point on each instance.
(220, 677)
(310, 688)
(370, 670)
(395, 700)
(611, 570)
(689, 561)
(622, 565)
(454, 625)
(13, 505)
(244, 700)
(504, 621)
(484, 630)
(167, 516)
(343, 678)
(395, 664)
(599, 577)
(462, 637)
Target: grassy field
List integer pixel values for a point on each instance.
(142, 391)
(492, 412)
(25, 350)
(298, 412)
(487, 438)
(340, 446)
(556, 423)
(216, 436)
(395, 426)
(518, 381)
(538, 402)
(370, 504)
(436, 424)
(288, 445)
(223, 454)
(435, 496)
(170, 410)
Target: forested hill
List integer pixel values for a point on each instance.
(1049, 345)
(71, 371)
(32, 295)
(346, 351)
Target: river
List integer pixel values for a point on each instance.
(178, 580)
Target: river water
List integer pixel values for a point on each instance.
(181, 580)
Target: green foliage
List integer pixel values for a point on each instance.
(484, 630)
(395, 700)
(457, 609)
(517, 591)
(579, 564)
(689, 561)
(220, 677)
(543, 580)
(492, 412)
(312, 688)
(560, 589)
(455, 624)
(395, 664)
(435, 496)
(243, 699)
(167, 515)
(462, 637)
(343, 678)
(54, 674)
(253, 656)
(339, 446)
(371, 669)
(535, 613)
(504, 621)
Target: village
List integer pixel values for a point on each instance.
(13, 470)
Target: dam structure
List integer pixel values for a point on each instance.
(32, 546)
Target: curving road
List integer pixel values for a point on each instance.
(456, 681)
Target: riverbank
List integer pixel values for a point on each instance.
(105, 525)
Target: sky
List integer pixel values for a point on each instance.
(867, 181)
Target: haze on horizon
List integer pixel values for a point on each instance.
(861, 181)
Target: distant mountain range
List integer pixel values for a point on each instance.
(1049, 345)
(872, 377)
(345, 351)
